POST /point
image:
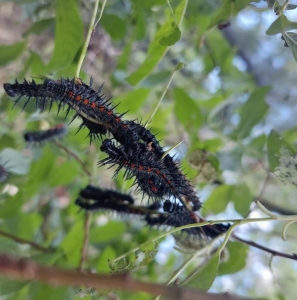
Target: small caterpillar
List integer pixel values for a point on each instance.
(45, 135)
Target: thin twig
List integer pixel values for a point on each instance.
(22, 269)
(23, 241)
(85, 240)
(161, 99)
(74, 156)
(266, 249)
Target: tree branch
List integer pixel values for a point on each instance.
(23, 241)
(273, 252)
(22, 269)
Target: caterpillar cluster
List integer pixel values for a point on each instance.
(173, 214)
(133, 148)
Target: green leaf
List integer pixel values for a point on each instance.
(72, 243)
(140, 26)
(291, 40)
(132, 101)
(203, 278)
(237, 256)
(16, 224)
(11, 52)
(114, 25)
(218, 200)
(172, 38)
(108, 232)
(15, 161)
(124, 58)
(186, 110)
(12, 205)
(156, 51)
(8, 286)
(228, 9)
(270, 3)
(40, 291)
(242, 198)
(180, 66)
(274, 144)
(69, 35)
(281, 24)
(148, 4)
(239, 194)
(107, 255)
(63, 174)
(39, 27)
(21, 2)
(252, 112)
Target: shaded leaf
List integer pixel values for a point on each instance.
(239, 194)
(237, 256)
(11, 52)
(218, 200)
(203, 278)
(8, 286)
(72, 243)
(242, 198)
(291, 40)
(252, 112)
(15, 161)
(132, 101)
(107, 232)
(172, 38)
(274, 145)
(228, 9)
(156, 51)
(103, 262)
(39, 27)
(114, 25)
(186, 109)
(69, 35)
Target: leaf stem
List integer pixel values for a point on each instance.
(88, 38)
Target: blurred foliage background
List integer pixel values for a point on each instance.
(233, 105)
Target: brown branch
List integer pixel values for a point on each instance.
(266, 249)
(22, 269)
(85, 240)
(74, 156)
(23, 241)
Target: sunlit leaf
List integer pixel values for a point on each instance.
(281, 24)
